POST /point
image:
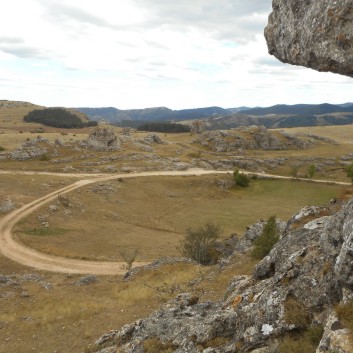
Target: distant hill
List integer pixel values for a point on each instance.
(238, 109)
(114, 115)
(300, 109)
(279, 121)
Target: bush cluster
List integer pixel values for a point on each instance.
(240, 179)
(200, 244)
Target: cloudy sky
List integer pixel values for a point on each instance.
(147, 53)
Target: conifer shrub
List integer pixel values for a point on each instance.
(267, 240)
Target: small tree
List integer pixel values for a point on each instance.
(129, 257)
(266, 241)
(199, 244)
(240, 179)
(349, 171)
(312, 170)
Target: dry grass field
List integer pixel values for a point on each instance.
(152, 214)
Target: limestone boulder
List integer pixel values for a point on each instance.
(103, 139)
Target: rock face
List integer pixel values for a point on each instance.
(251, 138)
(295, 288)
(102, 139)
(315, 34)
(31, 149)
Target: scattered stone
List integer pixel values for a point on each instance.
(154, 138)
(86, 280)
(5, 279)
(53, 208)
(6, 205)
(181, 166)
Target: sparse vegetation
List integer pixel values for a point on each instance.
(312, 170)
(240, 179)
(45, 231)
(345, 314)
(349, 171)
(303, 342)
(266, 241)
(294, 170)
(154, 345)
(44, 157)
(199, 244)
(129, 257)
(2, 149)
(296, 313)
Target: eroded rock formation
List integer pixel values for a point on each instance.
(315, 34)
(102, 139)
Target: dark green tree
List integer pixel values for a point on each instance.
(240, 179)
(266, 241)
(200, 244)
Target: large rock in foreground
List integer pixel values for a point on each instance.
(315, 34)
(295, 289)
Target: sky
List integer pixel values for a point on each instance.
(133, 54)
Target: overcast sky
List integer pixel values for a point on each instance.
(148, 53)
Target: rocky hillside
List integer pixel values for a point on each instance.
(253, 138)
(303, 287)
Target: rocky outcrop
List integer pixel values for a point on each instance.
(315, 34)
(153, 138)
(294, 289)
(251, 138)
(102, 139)
(30, 149)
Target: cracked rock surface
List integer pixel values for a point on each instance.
(315, 34)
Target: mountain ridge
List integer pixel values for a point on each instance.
(114, 115)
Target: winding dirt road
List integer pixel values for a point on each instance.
(32, 258)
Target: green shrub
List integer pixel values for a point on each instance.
(240, 179)
(267, 240)
(200, 244)
(44, 157)
(2, 149)
(312, 170)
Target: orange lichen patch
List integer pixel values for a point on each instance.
(236, 301)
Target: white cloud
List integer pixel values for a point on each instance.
(141, 53)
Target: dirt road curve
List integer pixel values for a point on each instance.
(32, 258)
